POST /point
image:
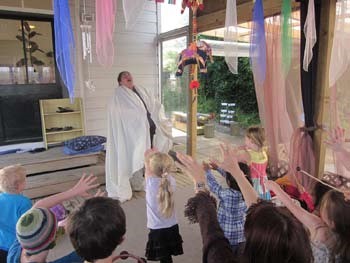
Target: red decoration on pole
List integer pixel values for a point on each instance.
(194, 84)
(191, 4)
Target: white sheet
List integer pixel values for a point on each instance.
(128, 138)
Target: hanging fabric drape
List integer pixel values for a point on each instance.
(105, 21)
(258, 44)
(308, 78)
(64, 45)
(279, 115)
(286, 35)
(340, 56)
(339, 77)
(302, 156)
(231, 36)
(132, 10)
(310, 34)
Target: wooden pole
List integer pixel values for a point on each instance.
(322, 90)
(192, 94)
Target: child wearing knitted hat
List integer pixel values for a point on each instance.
(36, 233)
(36, 229)
(13, 204)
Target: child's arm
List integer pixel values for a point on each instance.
(213, 185)
(243, 156)
(192, 168)
(307, 219)
(230, 164)
(80, 189)
(147, 155)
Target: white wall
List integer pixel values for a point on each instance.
(135, 51)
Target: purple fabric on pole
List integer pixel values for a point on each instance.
(258, 44)
(64, 44)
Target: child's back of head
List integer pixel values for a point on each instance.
(273, 234)
(231, 182)
(257, 135)
(97, 228)
(335, 211)
(12, 178)
(161, 164)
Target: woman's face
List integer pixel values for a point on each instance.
(127, 81)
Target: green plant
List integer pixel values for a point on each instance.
(221, 85)
(31, 47)
(247, 119)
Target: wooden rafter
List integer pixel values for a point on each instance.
(214, 12)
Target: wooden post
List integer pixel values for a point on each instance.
(192, 93)
(322, 107)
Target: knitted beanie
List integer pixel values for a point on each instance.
(36, 230)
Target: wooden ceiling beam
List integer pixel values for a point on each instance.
(212, 17)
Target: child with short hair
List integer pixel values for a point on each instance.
(164, 239)
(232, 208)
(97, 228)
(257, 159)
(12, 204)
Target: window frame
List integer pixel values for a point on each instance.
(23, 16)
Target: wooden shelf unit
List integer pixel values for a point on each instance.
(50, 118)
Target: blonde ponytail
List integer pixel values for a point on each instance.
(165, 197)
(161, 164)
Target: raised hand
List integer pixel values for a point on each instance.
(206, 166)
(213, 165)
(336, 139)
(230, 159)
(148, 153)
(191, 167)
(99, 193)
(85, 184)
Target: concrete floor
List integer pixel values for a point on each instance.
(135, 209)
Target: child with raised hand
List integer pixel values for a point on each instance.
(22, 249)
(232, 209)
(256, 157)
(281, 238)
(329, 233)
(12, 204)
(164, 239)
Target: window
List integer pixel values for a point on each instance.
(26, 52)
(174, 89)
(170, 21)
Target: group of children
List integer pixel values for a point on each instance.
(28, 232)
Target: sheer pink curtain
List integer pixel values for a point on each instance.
(105, 21)
(272, 96)
(280, 107)
(339, 78)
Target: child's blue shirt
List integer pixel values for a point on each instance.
(12, 207)
(231, 211)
